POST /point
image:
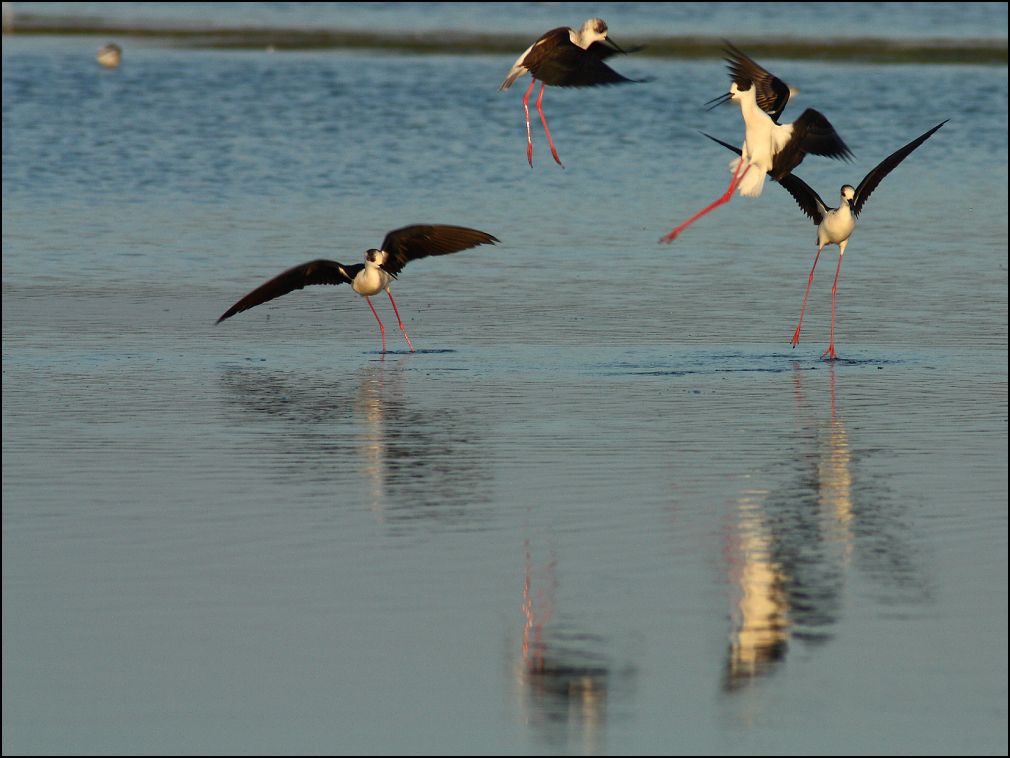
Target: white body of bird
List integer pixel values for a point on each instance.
(372, 280)
(763, 140)
(838, 223)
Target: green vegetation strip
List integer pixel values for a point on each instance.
(982, 51)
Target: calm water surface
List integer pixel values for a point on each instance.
(604, 508)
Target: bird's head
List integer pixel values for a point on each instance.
(741, 90)
(378, 257)
(737, 92)
(848, 193)
(595, 30)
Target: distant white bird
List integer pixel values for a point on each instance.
(564, 57)
(110, 55)
(374, 275)
(769, 147)
(836, 225)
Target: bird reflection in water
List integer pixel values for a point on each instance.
(564, 677)
(413, 458)
(791, 547)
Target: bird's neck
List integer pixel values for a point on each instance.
(581, 38)
(752, 115)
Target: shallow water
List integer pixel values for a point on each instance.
(604, 508)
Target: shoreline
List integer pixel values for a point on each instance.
(867, 50)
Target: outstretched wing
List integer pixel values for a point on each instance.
(811, 133)
(772, 93)
(872, 179)
(808, 200)
(421, 240)
(314, 272)
(804, 195)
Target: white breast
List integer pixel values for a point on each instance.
(371, 280)
(837, 225)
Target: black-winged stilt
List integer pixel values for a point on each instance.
(836, 225)
(769, 147)
(374, 275)
(564, 57)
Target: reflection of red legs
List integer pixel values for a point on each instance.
(526, 108)
(830, 353)
(810, 280)
(543, 119)
(402, 329)
(537, 612)
(382, 329)
(733, 184)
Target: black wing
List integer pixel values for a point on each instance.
(726, 145)
(606, 48)
(419, 241)
(314, 272)
(772, 93)
(808, 200)
(872, 179)
(812, 133)
(561, 63)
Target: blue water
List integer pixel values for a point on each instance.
(605, 508)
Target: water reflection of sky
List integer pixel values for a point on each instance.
(363, 431)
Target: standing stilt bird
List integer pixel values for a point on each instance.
(374, 275)
(564, 57)
(836, 225)
(769, 147)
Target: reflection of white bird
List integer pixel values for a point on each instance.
(769, 147)
(564, 57)
(836, 225)
(374, 275)
(110, 55)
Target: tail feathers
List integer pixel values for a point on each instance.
(753, 181)
(514, 74)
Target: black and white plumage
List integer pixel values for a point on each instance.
(836, 225)
(564, 57)
(381, 266)
(771, 93)
(769, 147)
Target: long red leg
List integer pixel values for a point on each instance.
(382, 329)
(830, 353)
(733, 184)
(543, 119)
(402, 328)
(810, 280)
(526, 108)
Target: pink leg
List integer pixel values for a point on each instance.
(810, 280)
(526, 108)
(543, 119)
(733, 184)
(382, 329)
(830, 353)
(402, 329)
